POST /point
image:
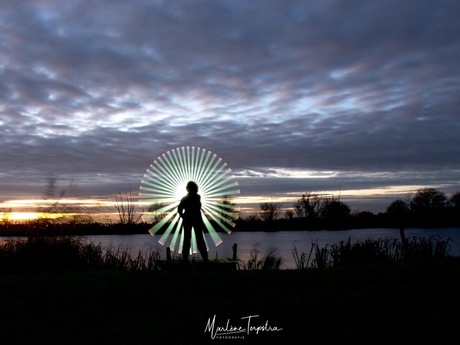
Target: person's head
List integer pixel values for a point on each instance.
(192, 187)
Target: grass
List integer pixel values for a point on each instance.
(64, 253)
(371, 251)
(96, 296)
(374, 303)
(270, 261)
(54, 253)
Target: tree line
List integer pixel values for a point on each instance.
(428, 207)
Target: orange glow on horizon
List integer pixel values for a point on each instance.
(21, 216)
(102, 210)
(35, 203)
(30, 209)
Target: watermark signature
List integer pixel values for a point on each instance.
(246, 326)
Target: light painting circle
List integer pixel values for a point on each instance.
(164, 184)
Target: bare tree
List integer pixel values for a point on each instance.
(312, 204)
(155, 211)
(56, 211)
(289, 214)
(252, 217)
(269, 211)
(52, 210)
(454, 201)
(299, 209)
(126, 208)
(333, 209)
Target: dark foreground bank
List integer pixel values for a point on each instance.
(374, 304)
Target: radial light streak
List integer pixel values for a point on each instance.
(163, 186)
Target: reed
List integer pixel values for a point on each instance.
(48, 253)
(270, 261)
(422, 248)
(371, 251)
(302, 261)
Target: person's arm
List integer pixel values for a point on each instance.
(180, 208)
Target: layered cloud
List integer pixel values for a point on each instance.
(364, 94)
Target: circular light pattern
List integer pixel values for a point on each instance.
(163, 186)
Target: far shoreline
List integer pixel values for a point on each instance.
(24, 230)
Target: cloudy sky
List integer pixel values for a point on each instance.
(355, 98)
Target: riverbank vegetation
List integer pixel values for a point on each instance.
(64, 290)
(412, 302)
(371, 251)
(65, 253)
(71, 253)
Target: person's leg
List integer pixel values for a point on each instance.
(186, 244)
(200, 241)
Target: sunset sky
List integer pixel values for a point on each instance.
(357, 99)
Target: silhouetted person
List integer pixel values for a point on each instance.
(190, 210)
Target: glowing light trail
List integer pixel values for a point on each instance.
(163, 185)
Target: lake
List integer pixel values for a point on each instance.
(283, 241)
